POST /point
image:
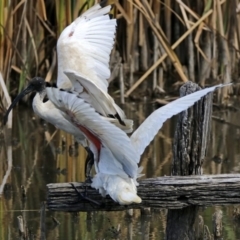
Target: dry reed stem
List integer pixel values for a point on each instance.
(226, 67)
(171, 10)
(49, 137)
(121, 83)
(155, 57)
(7, 99)
(20, 25)
(196, 42)
(130, 32)
(161, 59)
(185, 7)
(122, 11)
(161, 37)
(191, 58)
(214, 47)
(52, 67)
(33, 43)
(53, 34)
(168, 24)
(10, 49)
(29, 15)
(43, 9)
(9, 168)
(29, 180)
(184, 16)
(18, 6)
(18, 70)
(115, 70)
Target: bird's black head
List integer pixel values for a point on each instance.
(36, 84)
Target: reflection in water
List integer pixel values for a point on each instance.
(37, 160)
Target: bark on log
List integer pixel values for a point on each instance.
(191, 134)
(189, 151)
(173, 192)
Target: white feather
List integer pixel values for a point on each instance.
(112, 179)
(48, 112)
(80, 113)
(100, 100)
(85, 45)
(121, 190)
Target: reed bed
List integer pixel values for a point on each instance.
(159, 43)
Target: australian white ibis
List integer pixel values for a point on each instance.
(83, 47)
(116, 155)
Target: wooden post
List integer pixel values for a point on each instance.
(191, 134)
(189, 150)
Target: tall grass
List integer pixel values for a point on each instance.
(170, 41)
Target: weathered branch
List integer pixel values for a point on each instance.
(163, 192)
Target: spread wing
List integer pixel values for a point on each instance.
(100, 100)
(150, 127)
(85, 46)
(81, 114)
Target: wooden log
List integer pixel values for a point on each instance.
(173, 192)
(189, 151)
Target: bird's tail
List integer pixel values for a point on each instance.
(121, 190)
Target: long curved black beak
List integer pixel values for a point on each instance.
(27, 90)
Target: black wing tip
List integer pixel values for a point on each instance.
(54, 85)
(65, 90)
(48, 84)
(118, 118)
(104, 3)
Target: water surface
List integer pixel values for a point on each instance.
(40, 156)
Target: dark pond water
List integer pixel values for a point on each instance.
(38, 157)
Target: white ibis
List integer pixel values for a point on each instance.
(83, 47)
(116, 155)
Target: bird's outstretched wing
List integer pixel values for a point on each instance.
(145, 133)
(100, 100)
(85, 45)
(82, 115)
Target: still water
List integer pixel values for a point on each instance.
(40, 155)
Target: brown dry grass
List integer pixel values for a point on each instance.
(170, 41)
